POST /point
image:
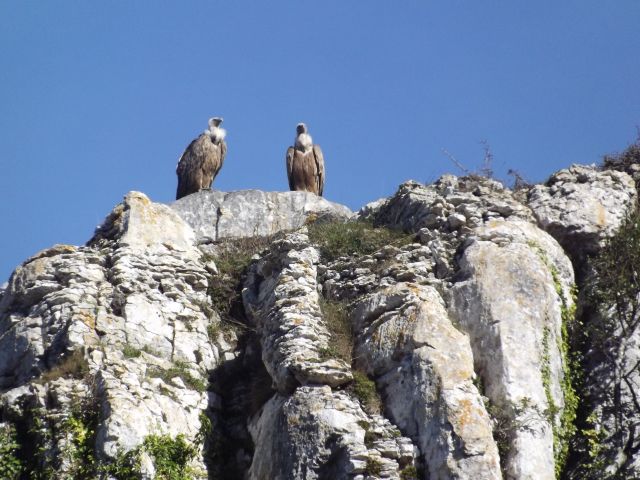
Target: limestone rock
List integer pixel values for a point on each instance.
(425, 368)
(581, 206)
(319, 434)
(460, 329)
(249, 213)
(124, 318)
(514, 295)
(448, 205)
(281, 297)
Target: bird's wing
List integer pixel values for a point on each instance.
(217, 154)
(223, 152)
(290, 154)
(187, 165)
(317, 153)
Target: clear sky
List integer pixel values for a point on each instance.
(100, 98)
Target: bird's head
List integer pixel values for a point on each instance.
(303, 139)
(215, 131)
(215, 122)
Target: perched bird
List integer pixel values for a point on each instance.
(305, 163)
(202, 160)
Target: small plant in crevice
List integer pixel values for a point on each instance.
(410, 472)
(178, 369)
(73, 365)
(366, 392)
(338, 239)
(124, 466)
(507, 419)
(129, 351)
(336, 317)
(232, 259)
(373, 466)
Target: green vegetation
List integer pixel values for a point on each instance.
(365, 391)
(171, 457)
(564, 430)
(10, 464)
(409, 473)
(373, 466)
(232, 259)
(614, 291)
(337, 239)
(39, 464)
(78, 429)
(130, 351)
(617, 281)
(80, 450)
(179, 369)
(125, 465)
(336, 317)
(593, 437)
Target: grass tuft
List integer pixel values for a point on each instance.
(338, 239)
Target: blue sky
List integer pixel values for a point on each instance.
(99, 98)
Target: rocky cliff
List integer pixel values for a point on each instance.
(458, 330)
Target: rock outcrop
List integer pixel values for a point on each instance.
(216, 215)
(281, 298)
(583, 206)
(440, 353)
(117, 329)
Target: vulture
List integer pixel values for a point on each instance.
(305, 163)
(202, 160)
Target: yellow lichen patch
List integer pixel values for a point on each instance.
(88, 319)
(311, 218)
(463, 413)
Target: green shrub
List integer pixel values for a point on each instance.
(10, 464)
(125, 465)
(171, 457)
(409, 473)
(337, 239)
(613, 290)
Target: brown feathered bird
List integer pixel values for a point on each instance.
(202, 160)
(305, 163)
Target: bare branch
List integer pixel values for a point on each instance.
(456, 162)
